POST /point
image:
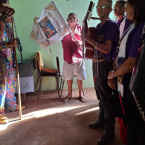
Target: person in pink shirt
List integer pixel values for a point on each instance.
(73, 58)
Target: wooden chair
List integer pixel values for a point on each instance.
(46, 72)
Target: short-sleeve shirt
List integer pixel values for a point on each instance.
(133, 41)
(119, 21)
(127, 24)
(108, 31)
(71, 52)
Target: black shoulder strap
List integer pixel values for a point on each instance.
(125, 33)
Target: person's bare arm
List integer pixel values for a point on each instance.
(2, 28)
(105, 48)
(125, 68)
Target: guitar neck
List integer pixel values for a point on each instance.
(86, 26)
(88, 15)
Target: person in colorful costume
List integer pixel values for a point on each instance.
(7, 70)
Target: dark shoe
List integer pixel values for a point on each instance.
(66, 99)
(82, 99)
(106, 139)
(97, 124)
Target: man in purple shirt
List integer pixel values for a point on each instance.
(122, 21)
(119, 11)
(106, 43)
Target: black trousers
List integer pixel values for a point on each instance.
(102, 92)
(135, 123)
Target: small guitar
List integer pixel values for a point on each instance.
(8, 13)
(89, 48)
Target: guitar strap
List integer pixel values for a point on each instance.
(18, 42)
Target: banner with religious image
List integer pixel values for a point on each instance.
(50, 27)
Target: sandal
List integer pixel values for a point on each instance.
(66, 99)
(22, 107)
(82, 99)
(3, 119)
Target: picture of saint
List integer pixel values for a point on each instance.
(47, 27)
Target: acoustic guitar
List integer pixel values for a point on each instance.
(89, 48)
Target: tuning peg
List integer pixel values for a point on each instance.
(89, 17)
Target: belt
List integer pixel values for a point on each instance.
(101, 60)
(98, 60)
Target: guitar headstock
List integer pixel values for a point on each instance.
(89, 12)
